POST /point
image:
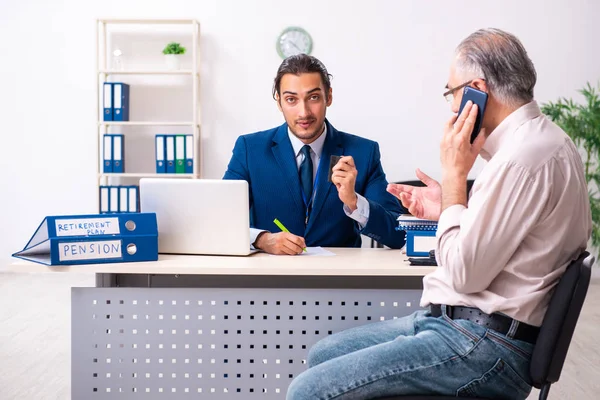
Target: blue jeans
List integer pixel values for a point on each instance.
(415, 355)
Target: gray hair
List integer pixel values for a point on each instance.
(500, 59)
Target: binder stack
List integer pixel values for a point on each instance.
(93, 239)
(116, 101)
(420, 235)
(114, 153)
(119, 199)
(174, 154)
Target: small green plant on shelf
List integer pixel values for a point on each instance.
(174, 48)
(173, 52)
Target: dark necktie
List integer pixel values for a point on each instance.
(306, 174)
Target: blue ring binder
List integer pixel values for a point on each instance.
(416, 228)
(93, 239)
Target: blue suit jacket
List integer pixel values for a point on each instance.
(267, 162)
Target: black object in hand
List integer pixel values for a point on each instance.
(332, 161)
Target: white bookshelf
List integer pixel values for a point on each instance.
(148, 21)
(146, 175)
(148, 72)
(147, 123)
(106, 72)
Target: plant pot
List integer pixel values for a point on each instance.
(172, 61)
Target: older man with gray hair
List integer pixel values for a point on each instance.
(500, 252)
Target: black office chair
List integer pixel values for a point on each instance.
(556, 332)
(378, 245)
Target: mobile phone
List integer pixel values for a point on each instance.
(332, 161)
(422, 261)
(477, 97)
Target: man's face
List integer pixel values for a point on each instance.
(454, 81)
(304, 103)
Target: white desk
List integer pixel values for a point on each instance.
(346, 262)
(188, 327)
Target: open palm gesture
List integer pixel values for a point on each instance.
(422, 202)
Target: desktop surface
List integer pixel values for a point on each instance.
(346, 262)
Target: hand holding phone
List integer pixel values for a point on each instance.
(332, 161)
(480, 99)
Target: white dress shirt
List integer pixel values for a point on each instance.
(360, 215)
(527, 217)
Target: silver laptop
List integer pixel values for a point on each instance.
(199, 216)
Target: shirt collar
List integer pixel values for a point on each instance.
(316, 146)
(507, 127)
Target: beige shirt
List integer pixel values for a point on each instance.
(528, 216)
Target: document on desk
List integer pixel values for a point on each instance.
(314, 251)
(317, 251)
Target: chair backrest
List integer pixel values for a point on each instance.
(559, 322)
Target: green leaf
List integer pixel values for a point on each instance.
(174, 48)
(582, 123)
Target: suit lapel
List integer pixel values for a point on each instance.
(332, 146)
(284, 154)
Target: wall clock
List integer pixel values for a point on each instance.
(293, 40)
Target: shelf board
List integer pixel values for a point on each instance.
(147, 72)
(147, 123)
(147, 175)
(149, 21)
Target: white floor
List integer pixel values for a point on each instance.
(35, 336)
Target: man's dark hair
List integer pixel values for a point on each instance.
(301, 64)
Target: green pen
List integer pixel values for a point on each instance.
(283, 228)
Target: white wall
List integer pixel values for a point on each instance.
(389, 60)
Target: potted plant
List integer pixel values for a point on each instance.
(582, 123)
(172, 52)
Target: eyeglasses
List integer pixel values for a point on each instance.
(449, 95)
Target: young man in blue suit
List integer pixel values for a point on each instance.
(287, 171)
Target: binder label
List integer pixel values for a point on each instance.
(89, 250)
(424, 243)
(117, 96)
(89, 227)
(107, 95)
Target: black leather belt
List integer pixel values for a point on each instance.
(496, 322)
